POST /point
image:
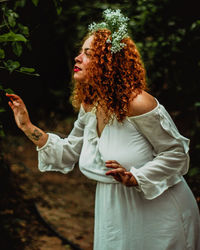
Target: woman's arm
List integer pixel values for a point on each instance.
(54, 153)
(170, 150)
(35, 134)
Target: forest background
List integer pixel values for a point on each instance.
(39, 40)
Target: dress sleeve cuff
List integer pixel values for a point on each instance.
(45, 145)
(150, 188)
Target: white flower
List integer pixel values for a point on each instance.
(117, 24)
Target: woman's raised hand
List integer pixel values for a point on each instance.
(35, 134)
(20, 112)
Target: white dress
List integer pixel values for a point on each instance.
(161, 213)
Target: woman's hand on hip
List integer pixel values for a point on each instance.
(120, 174)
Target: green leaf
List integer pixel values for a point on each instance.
(2, 134)
(197, 104)
(193, 171)
(17, 48)
(9, 91)
(28, 70)
(59, 10)
(11, 21)
(2, 110)
(195, 25)
(58, 6)
(12, 16)
(2, 54)
(11, 65)
(12, 37)
(19, 3)
(23, 29)
(35, 2)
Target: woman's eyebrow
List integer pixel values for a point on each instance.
(86, 49)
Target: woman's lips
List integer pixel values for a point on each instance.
(76, 69)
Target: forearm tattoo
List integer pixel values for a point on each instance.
(36, 135)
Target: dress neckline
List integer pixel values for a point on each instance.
(127, 118)
(93, 111)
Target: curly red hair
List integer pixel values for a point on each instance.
(114, 78)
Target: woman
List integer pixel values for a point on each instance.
(126, 141)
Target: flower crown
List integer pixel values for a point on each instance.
(117, 24)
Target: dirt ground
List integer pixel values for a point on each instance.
(56, 206)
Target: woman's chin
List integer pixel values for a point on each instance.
(78, 77)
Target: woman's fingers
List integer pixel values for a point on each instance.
(11, 96)
(128, 173)
(121, 177)
(10, 104)
(126, 178)
(115, 171)
(111, 161)
(120, 174)
(130, 181)
(19, 109)
(14, 98)
(15, 102)
(117, 177)
(113, 164)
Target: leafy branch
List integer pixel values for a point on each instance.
(13, 38)
(15, 35)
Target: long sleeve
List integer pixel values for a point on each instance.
(170, 150)
(61, 154)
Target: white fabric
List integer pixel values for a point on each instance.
(161, 213)
(62, 154)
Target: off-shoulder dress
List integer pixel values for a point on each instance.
(161, 212)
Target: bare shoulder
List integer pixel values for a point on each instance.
(142, 104)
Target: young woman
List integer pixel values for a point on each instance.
(126, 141)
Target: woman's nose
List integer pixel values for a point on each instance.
(78, 58)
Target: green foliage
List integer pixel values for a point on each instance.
(35, 2)
(17, 48)
(12, 37)
(2, 54)
(58, 6)
(11, 65)
(27, 70)
(194, 171)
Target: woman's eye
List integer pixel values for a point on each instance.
(87, 54)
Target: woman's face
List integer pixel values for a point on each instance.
(82, 62)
